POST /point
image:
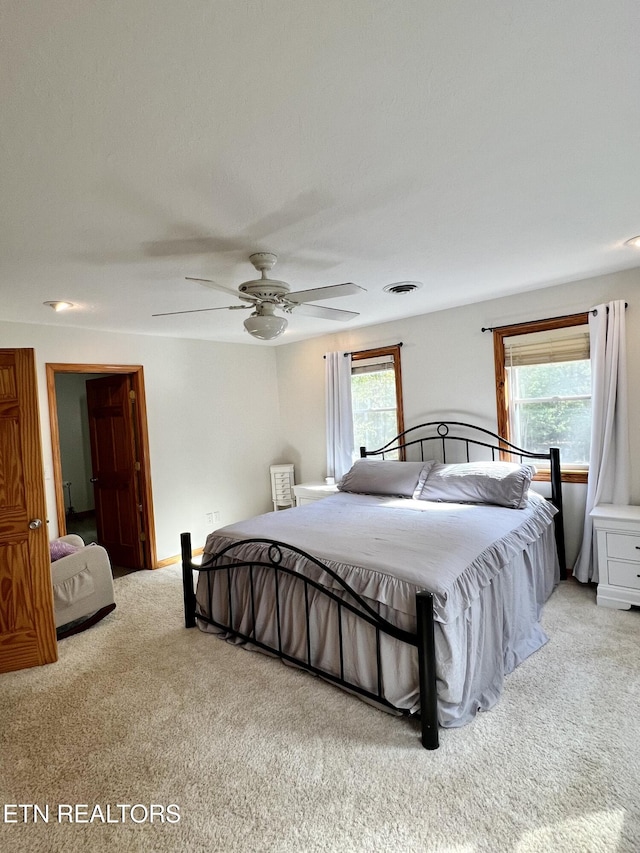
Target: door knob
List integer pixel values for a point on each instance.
(34, 524)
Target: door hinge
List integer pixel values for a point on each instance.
(136, 465)
(143, 537)
(132, 395)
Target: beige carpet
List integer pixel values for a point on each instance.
(259, 757)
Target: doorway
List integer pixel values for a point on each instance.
(123, 505)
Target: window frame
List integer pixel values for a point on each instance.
(394, 352)
(570, 475)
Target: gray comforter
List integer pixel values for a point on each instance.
(490, 569)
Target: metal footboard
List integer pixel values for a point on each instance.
(229, 560)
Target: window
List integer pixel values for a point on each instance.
(543, 387)
(376, 392)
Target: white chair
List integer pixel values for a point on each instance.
(82, 585)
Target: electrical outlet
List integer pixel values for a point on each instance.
(216, 516)
(209, 518)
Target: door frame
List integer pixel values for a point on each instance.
(140, 420)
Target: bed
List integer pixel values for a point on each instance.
(419, 586)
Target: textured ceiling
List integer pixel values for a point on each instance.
(480, 148)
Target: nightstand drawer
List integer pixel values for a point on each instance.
(623, 546)
(624, 574)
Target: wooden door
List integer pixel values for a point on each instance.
(27, 623)
(115, 480)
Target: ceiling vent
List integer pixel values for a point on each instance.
(402, 287)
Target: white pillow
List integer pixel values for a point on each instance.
(498, 483)
(385, 477)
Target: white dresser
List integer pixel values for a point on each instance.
(306, 493)
(282, 481)
(617, 530)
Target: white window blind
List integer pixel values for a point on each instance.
(372, 365)
(569, 344)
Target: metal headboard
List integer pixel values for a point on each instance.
(463, 436)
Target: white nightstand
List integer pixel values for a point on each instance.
(306, 493)
(617, 530)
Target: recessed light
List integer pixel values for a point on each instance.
(634, 242)
(57, 305)
(402, 286)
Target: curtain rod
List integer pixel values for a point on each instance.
(345, 354)
(593, 311)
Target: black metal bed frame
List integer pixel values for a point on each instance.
(224, 561)
(229, 560)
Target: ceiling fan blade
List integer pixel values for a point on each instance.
(200, 310)
(347, 289)
(213, 285)
(324, 313)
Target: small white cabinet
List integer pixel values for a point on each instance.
(617, 531)
(306, 493)
(282, 482)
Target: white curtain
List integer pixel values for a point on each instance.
(609, 455)
(339, 414)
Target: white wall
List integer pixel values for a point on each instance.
(213, 421)
(448, 370)
(75, 443)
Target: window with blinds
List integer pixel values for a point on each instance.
(543, 373)
(547, 347)
(376, 393)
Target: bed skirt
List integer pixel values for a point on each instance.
(474, 652)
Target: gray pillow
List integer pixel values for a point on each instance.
(498, 483)
(385, 477)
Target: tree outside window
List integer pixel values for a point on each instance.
(551, 405)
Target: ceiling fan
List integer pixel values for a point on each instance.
(265, 295)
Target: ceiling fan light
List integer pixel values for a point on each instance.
(265, 326)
